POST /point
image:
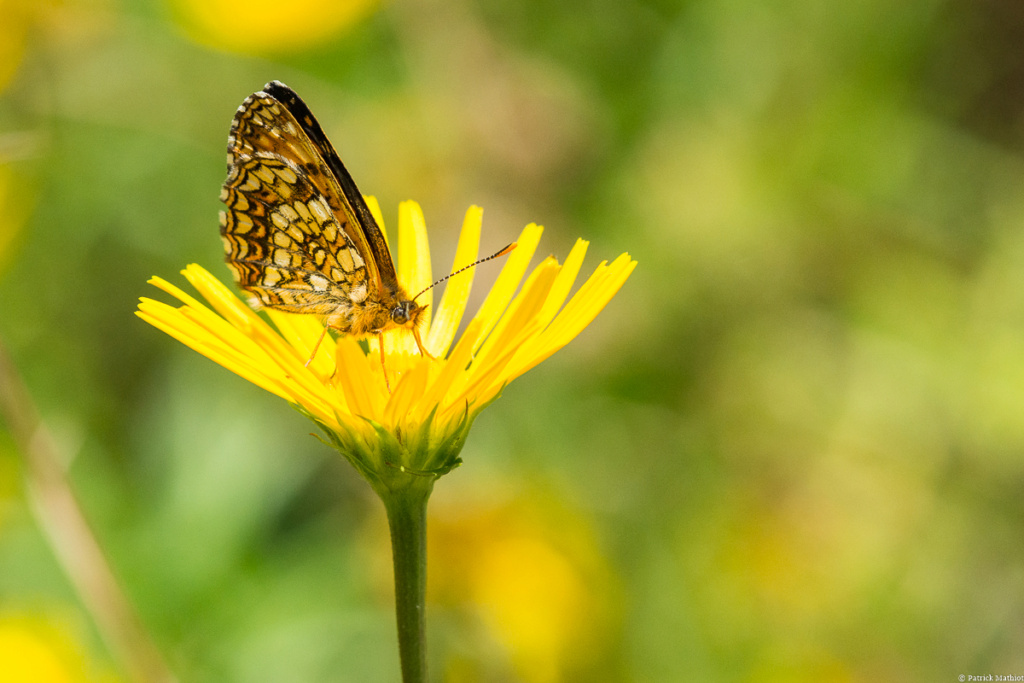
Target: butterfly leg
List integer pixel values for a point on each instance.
(383, 367)
(316, 347)
(419, 343)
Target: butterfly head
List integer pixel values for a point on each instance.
(407, 313)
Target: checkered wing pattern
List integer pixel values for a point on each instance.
(291, 235)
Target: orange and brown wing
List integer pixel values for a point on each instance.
(284, 239)
(335, 182)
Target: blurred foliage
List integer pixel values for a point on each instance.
(792, 449)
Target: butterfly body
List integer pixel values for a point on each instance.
(297, 233)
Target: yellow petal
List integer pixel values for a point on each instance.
(304, 332)
(240, 316)
(280, 356)
(456, 292)
(509, 278)
(581, 310)
(563, 283)
(414, 256)
(186, 329)
(512, 317)
(175, 291)
(168, 320)
(207, 323)
(222, 299)
(363, 389)
(249, 347)
(453, 368)
(518, 327)
(410, 387)
(484, 384)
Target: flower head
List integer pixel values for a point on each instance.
(420, 425)
(259, 27)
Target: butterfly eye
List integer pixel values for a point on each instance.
(400, 314)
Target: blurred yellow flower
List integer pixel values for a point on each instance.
(530, 573)
(268, 26)
(34, 649)
(16, 19)
(421, 425)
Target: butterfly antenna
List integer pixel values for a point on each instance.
(475, 263)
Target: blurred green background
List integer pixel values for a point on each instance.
(791, 449)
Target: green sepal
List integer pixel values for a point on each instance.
(393, 461)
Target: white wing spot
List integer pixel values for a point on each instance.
(331, 232)
(319, 282)
(286, 174)
(279, 220)
(265, 173)
(282, 258)
(319, 210)
(357, 294)
(344, 257)
(288, 212)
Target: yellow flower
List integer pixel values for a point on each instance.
(418, 427)
(18, 19)
(39, 648)
(528, 575)
(267, 26)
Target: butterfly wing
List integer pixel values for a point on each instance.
(283, 243)
(359, 223)
(287, 227)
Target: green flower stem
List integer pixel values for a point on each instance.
(407, 518)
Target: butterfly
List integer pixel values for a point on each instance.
(297, 232)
